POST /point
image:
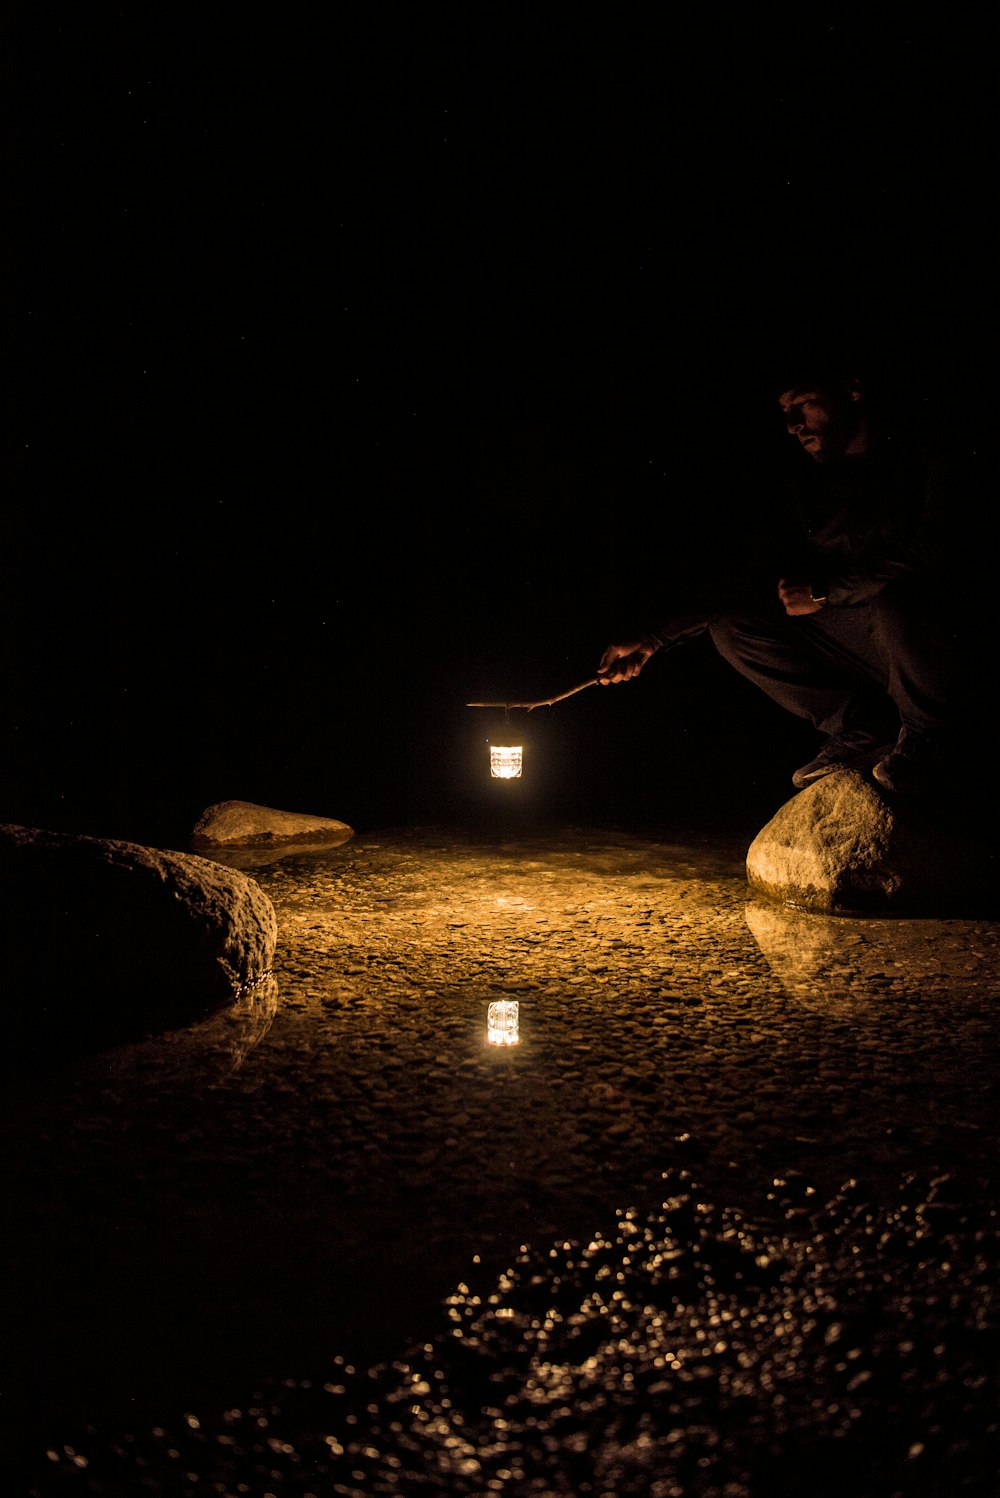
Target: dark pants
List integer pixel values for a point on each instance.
(898, 660)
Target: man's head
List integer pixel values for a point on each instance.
(825, 412)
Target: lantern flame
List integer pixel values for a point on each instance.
(505, 761)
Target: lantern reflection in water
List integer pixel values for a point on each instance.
(501, 1022)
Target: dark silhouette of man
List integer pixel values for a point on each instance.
(857, 604)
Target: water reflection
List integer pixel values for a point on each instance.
(244, 1025)
(502, 1022)
(824, 958)
(262, 855)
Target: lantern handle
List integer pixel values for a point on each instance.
(543, 701)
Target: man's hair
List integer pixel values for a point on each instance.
(822, 353)
(816, 364)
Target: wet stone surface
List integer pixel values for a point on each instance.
(723, 1222)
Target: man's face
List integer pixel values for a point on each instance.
(824, 419)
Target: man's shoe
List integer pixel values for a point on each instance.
(842, 751)
(913, 767)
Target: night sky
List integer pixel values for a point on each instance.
(359, 368)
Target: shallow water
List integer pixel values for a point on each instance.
(298, 1188)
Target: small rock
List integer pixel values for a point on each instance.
(244, 824)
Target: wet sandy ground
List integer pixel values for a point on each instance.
(334, 1241)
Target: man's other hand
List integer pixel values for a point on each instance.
(798, 598)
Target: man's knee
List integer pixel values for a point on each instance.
(726, 633)
(893, 606)
(737, 635)
(909, 610)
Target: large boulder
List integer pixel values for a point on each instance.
(843, 847)
(105, 940)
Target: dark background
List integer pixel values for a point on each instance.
(355, 370)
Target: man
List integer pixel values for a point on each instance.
(857, 609)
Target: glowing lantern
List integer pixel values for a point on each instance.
(501, 1022)
(505, 761)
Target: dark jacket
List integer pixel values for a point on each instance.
(848, 527)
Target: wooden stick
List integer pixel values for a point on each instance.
(544, 701)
